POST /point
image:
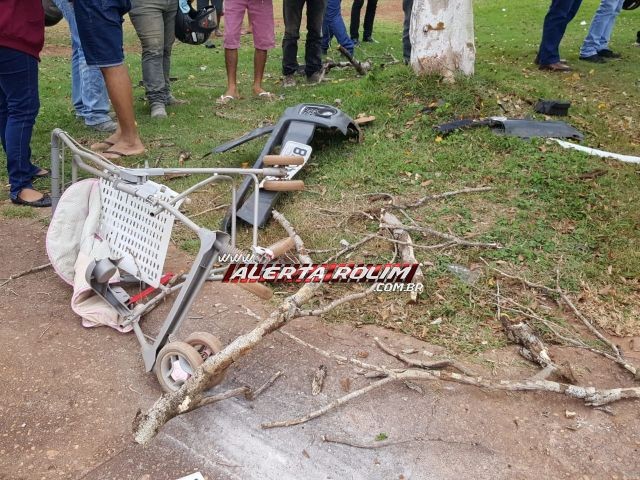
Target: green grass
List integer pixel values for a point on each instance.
(15, 211)
(543, 207)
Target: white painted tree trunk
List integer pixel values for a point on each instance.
(442, 40)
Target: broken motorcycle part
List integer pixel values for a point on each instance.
(521, 128)
(290, 137)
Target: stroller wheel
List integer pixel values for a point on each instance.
(175, 363)
(206, 345)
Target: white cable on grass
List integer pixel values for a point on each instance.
(596, 152)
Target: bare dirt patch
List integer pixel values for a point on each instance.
(74, 392)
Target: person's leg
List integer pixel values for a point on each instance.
(264, 38)
(88, 90)
(608, 30)
(76, 83)
(100, 29)
(200, 4)
(313, 45)
(369, 17)
(19, 105)
(338, 28)
(354, 25)
(292, 14)
(169, 17)
(326, 31)
(599, 24)
(560, 13)
(407, 6)
(147, 17)
(234, 15)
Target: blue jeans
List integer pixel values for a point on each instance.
(601, 27)
(19, 105)
(333, 26)
(560, 13)
(88, 91)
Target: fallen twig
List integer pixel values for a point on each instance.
(390, 443)
(15, 276)
(451, 238)
(435, 365)
(336, 403)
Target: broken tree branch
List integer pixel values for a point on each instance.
(561, 297)
(360, 68)
(337, 302)
(407, 255)
(189, 396)
(15, 276)
(590, 395)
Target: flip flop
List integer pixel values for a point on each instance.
(101, 146)
(224, 99)
(42, 175)
(268, 96)
(116, 155)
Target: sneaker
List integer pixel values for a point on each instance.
(356, 42)
(370, 40)
(158, 110)
(606, 53)
(593, 58)
(175, 101)
(209, 44)
(105, 127)
(314, 78)
(288, 81)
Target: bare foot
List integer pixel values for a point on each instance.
(124, 149)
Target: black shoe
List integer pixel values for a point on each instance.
(593, 59)
(370, 40)
(606, 53)
(45, 201)
(537, 60)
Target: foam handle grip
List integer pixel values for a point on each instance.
(282, 246)
(272, 160)
(283, 185)
(258, 289)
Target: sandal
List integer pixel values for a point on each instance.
(224, 99)
(116, 155)
(102, 146)
(42, 173)
(268, 96)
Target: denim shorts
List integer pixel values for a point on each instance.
(100, 30)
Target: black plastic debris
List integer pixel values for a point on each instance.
(522, 128)
(559, 108)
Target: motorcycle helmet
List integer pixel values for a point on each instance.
(195, 27)
(52, 14)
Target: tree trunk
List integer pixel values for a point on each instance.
(442, 40)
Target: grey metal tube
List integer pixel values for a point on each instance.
(56, 189)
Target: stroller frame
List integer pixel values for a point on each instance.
(136, 185)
